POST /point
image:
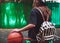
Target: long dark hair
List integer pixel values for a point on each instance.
(46, 11)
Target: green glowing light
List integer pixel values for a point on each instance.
(55, 17)
(5, 19)
(13, 15)
(27, 41)
(50, 41)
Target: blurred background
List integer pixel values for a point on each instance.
(15, 14)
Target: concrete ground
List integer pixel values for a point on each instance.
(5, 32)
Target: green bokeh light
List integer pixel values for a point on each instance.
(12, 15)
(27, 41)
(51, 41)
(55, 17)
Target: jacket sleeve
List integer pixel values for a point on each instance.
(33, 17)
